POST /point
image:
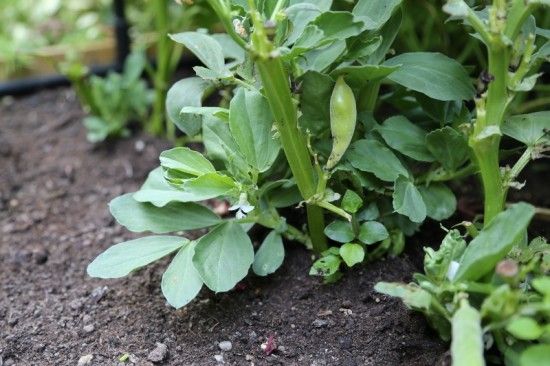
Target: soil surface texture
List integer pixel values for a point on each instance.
(54, 190)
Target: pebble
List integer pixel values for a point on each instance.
(218, 358)
(86, 319)
(98, 293)
(225, 346)
(319, 323)
(89, 328)
(85, 360)
(159, 353)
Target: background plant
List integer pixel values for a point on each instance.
(275, 71)
(494, 288)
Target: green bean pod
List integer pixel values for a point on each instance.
(343, 116)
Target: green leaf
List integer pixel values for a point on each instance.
(437, 262)
(326, 266)
(320, 59)
(408, 201)
(405, 137)
(352, 254)
(188, 92)
(340, 231)
(373, 157)
(371, 212)
(412, 295)
(270, 255)
(494, 242)
(372, 232)
(440, 201)
(301, 14)
(185, 160)
(315, 101)
(159, 192)
(209, 186)
(528, 128)
(121, 259)
(360, 74)
(181, 282)
(388, 32)
(351, 202)
(448, 146)
(139, 217)
(433, 74)
(375, 13)
(251, 124)
(467, 340)
(223, 256)
(524, 328)
(207, 50)
(536, 355)
(338, 25)
(542, 285)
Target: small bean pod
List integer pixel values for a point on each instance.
(343, 116)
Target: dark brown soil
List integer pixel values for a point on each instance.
(54, 189)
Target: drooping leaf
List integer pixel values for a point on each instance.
(340, 231)
(494, 242)
(433, 74)
(185, 160)
(223, 256)
(251, 122)
(188, 92)
(467, 342)
(528, 128)
(440, 201)
(352, 254)
(408, 201)
(405, 137)
(373, 157)
(181, 282)
(371, 232)
(270, 255)
(121, 259)
(448, 146)
(138, 217)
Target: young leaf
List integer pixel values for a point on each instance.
(181, 282)
(209, 186)
(372, 232)
(408, 201)
(467, 342)
(352, 254)
(528, 128)
(375, 13)
(223, 256)
(139, 217)
(207, 49)
(373, 157)
(412, 295)
(188, 92)
(270, 255)
(433, 74)
(351, 202)
(251, 122)
(121, 259)
(405, 137)
(494, 242)
(448, 146)
(340, 231)
(440, 201)
(185, 160)
(524, 328)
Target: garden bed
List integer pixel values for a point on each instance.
(54, 220)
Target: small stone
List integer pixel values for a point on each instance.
(85, 360)
(98, 293)
(89, 328)
(86, 319)
(225, 346)
(158, 354)
(218, 358)
(139, 145)
(249, 357)
(346, 304)
(76, 304)
(319, 323)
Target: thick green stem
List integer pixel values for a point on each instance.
(487, 158)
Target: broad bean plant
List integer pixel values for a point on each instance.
(494, 290)
(294, 133)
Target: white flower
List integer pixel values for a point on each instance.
(242, 207)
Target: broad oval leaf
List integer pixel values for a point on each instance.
(494, 242)
(340, 231)
(375, 13)
(270, 255)
(448, 146)
(121, 259)
(373, 157)
(536, 355)
(181, 282)
(528, 128)
(408, 201)
(251, 124)
(371, 232)
(223, 256)
(467, 341)
(405, 137)
(209, 186)
(433, 74)
(352, 253)
(440, 201)
(138, 217)
(188, 92)
(185, 160)
(525, 328)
